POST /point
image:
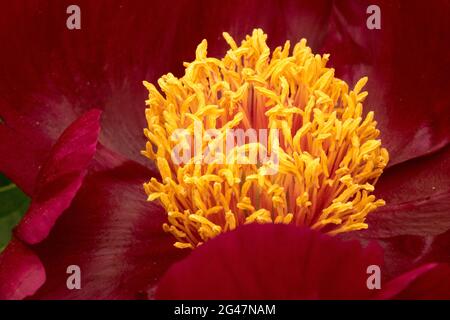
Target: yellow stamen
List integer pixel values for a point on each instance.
(329, 155)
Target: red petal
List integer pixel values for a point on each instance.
(287, 20)
(272, 262)
(60, 72)
(431, 281)
(428, 216)
(23, 149)
(21, 272)
(438, 249)
(113, 235)
(422, 179)
(405, 252)
(61, 177)
(405, 62)
(417, 195)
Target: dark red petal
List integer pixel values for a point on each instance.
(113, 234)
(427, 216)
(272, 262)
(438, 248)
(416, 214)
(407, 66)
(401, 253)
(59, 73)
(60, 177)
(431, 281)
(21, 272)
(287, 20)
(24, 149)
(422, 179)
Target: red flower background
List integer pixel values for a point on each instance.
(72, 113)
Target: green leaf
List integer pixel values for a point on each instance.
(3, 181)
(13, 205)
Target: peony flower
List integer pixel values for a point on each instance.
(84, 172)
(216, 174)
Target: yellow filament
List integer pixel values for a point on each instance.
(329, 155)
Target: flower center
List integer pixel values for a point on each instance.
(325, 156)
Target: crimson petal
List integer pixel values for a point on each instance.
(112, 234)
(420, 178)
(60, 73)
(401, 253)
(412, 225)
(272, 262)
(21, 272)
(407, 68)
(60, 177)
(24, 149)
(431, 281)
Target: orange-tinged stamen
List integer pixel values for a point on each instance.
(329, 155)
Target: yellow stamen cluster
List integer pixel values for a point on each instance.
(329, 155)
